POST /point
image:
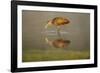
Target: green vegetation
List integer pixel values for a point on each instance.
(53, 55)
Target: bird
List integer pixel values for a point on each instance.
(57, 21)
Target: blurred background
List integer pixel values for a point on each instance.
(34, 35)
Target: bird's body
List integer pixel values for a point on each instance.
(57, 21)
(60, 21)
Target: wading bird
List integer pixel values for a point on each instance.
(58, 22)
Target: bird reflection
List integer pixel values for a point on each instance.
(58, 43)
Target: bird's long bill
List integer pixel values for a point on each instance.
(47, 25)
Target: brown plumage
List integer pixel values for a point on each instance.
(58, 43)
(57, 21)
(60, 21)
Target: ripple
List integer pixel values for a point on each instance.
(53, 32)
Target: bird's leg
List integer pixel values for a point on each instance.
(58, 31)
